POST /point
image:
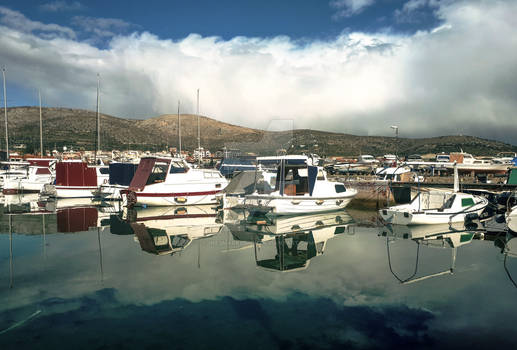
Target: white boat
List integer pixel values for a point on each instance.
(171, 182)
(301, 189)
(76, 179)
(38, 175)
(435, 207)
(397, 174)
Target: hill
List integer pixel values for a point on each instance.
(76, 128)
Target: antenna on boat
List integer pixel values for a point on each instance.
(5, 115)
(456, 179)
(40, 125)
(98, 122)
(198, 133)
(179, 129)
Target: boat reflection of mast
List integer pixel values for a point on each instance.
(100, 253)
(411, 278)
(11, 267)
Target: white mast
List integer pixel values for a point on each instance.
(98, 146)
(5, 114)
(40, 126)
(179, 129)
(198, 133)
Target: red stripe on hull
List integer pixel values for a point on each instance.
(167, 217)
(180, 194)
(16, 191)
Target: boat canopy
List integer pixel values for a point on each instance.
(149, 169)
(121, 173)
(75, 174)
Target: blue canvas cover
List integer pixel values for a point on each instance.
(313, 174)
(122, 173)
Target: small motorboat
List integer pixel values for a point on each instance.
(435, 207)
(168, 181)
(301, 189)
(76, 179)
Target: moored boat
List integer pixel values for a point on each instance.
(435, 207)
(76, 179)
(301, 189)
(170, 182)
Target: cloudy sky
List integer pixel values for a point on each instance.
(358, 66)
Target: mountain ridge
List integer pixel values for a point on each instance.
(76, 128)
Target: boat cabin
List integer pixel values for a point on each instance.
(78, 173)
(297, 180)
(154, 170)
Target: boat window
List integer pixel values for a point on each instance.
(340, 188)
(104, 171)
(158, 173)
(466, 202)
(448, 203)
(177, 167)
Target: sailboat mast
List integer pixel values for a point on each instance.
(179, 129)
(5, 115)
(98, 123)
(40, 126)
(198, 133)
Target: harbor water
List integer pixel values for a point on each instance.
(90, 277)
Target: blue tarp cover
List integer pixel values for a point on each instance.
(122, 173)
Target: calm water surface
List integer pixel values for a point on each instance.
(87, 277)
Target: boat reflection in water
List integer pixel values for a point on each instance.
(289, 243)
(437, 236)
(167, 230)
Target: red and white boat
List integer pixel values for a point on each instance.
(171, 181)
(77, 179)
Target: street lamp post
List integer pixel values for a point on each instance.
(396, 128)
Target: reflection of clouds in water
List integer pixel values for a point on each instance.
(352, 272)
(99, 319)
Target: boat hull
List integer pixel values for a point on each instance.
(169, 199)
(407, 218)
(74, 192)
(291, 205)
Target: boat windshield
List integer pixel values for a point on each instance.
(158, 174)
(178, 167)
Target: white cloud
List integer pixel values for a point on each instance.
(101, 27)
(59, 5)
(17, 21)
(347, 8)
(459, 79)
